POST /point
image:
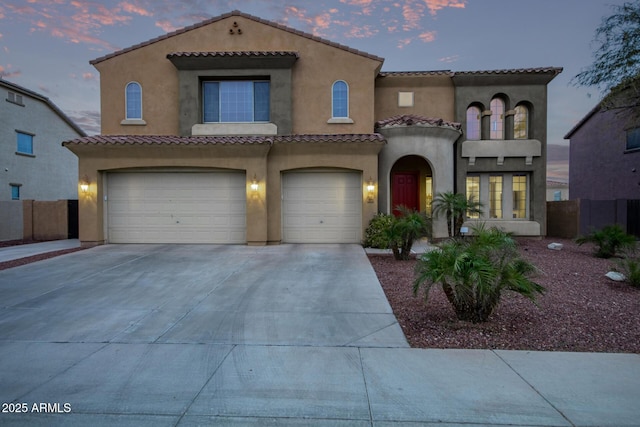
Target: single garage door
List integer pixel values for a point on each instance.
(322, 207)
(185, 207)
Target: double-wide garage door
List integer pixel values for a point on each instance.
(179, 207)
(322, 207)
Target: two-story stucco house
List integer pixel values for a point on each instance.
(241, 130)
(33, 165)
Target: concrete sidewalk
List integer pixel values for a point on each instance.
(22, 251)
(292, 335)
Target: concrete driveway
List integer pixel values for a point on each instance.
(294, 335)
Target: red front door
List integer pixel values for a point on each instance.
(404, 191)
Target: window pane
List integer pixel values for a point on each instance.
(497, 119)
(15, 192)
(211, 102)
(519, 196)
(261, 101)
(521, 123)
(134, 101)
(473, 192)
(236, 101)
(495, 196)
(473, 123)
(633, 139)
(25, 143)
(340, 99)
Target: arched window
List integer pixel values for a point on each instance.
(521, 123)
(497, 119)
(133, 101)
(340, 99)
(473, 123)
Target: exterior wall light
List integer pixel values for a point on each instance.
(371, 188)
(84, 184)
(254, 183)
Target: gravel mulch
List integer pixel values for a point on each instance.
(582, 310)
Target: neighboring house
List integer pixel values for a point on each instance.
(33, 165)
(241, 130)
(604, 168)
(557, 191)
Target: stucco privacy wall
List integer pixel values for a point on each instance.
(11, 220)
(435, 145)
(320, 64)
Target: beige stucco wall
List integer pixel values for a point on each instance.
(433, 96)
(318, 66)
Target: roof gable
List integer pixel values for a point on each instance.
(243, 15)
(24, 91)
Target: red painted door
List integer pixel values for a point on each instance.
(405, 191)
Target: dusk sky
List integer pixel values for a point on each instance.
(46, 45)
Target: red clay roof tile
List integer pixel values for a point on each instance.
(412, 120)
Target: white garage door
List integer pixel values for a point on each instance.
(176, 207)
(322, 207)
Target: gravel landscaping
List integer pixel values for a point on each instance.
(582, 310)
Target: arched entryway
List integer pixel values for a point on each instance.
(411, 184)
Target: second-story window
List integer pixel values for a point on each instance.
(133, 101)
(497, 119)
(24, 143)
(473, 123)
(340, 99)
(521, 122)
(232, 101)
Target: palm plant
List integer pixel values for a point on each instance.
(609, 240)
(405, 229)
(475, 272)
(455, 206)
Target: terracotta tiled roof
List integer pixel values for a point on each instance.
(168, 140)
(415, 73)
(414, 120)
(540, 70)
(220, 140)
(233, 54)
(367, 137)
(243, 15)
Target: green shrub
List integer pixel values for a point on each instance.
(630, 266)
(475, 271)
(405, 229)
(377, 233)
(609, 241)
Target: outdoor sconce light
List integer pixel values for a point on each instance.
(84, 184)
(370, 189)
(254, 183)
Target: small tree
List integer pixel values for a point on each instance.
(609, 240)
(405, 229)
(475, 272)
(455, 206)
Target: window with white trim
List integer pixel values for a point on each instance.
(133, 101)
(340, 99)
(235, 101)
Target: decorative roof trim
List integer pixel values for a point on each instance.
(233, 54)
(155, 140)
(415, 120)
(243, 15)
(415, 73)
(539, 70)
(50, 104)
